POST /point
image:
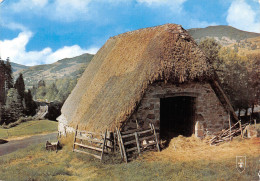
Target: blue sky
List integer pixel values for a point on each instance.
(43, 31)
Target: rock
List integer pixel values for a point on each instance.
(199, 130)
(3, 141)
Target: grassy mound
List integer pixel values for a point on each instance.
(29, 128)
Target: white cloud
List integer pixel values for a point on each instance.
(67, 10)
(65, 52)
(16, 50)
(242, 16)
(71, 10)
(28, 5)
(175, 5)
(62, 10)
(13, 25)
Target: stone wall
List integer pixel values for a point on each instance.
(208, 109)
(63, 128)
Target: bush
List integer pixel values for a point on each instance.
(19, 121)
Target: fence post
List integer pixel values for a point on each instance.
(229, 126)
(75, 138)
(242, 136)
(137, 143)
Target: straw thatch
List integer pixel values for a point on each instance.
(118, 75)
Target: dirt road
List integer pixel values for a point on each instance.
(14, 145)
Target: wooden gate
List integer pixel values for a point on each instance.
(136, 140)
(90, 143)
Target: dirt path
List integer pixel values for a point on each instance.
(14, 145)
(42, 112)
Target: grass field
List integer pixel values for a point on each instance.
(29, 128)
(189, 159)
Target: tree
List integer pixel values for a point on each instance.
(30, 105)
(13, 109)
(211, 48)
(254, 78)
(8, 74)
(2, 82)
(52, 92)
(234, 77)
(41, 83)
(19, 85)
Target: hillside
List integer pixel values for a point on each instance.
(17, 67)
(65, 68)
(247, 46)
(225, 35)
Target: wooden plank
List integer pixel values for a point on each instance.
(114, 143)
(240, 126)
(137, 143)
(104, 144)
(131, 149)
(128, 135)
(130, 142)
(75, 138)
(155, 135)
(130, 131)
(92, 133)
(137, 125)
(145, 131)
(227, 130)
(123, 147)
(229, 126)
(119, 144)
(139, 133)
(79, 151)
(226, 99)
(89, 147)
(95, 140)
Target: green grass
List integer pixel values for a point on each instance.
(29, 128)
(35, 163)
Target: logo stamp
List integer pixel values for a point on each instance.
(241, 163)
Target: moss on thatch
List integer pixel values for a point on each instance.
(118, 75)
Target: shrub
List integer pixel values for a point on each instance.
(19, 121)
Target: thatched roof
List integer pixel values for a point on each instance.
(118, 75)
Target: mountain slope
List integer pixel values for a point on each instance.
(225, 35)
(247, 46)
(17, 67)
(65, 68)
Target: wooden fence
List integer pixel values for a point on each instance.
(137, 140)
(91, 143)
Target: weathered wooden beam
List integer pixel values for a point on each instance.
(119, 143)
(131, 149)
(137, 143)
(89, 147)
(75, 138)
(79, 151)
(95, 140)
(104, 144)
(123, 147)
(155, 135)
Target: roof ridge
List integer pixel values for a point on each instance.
(171, 26)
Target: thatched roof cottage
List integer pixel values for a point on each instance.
(153, 75)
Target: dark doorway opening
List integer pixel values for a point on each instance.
(176, 116)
